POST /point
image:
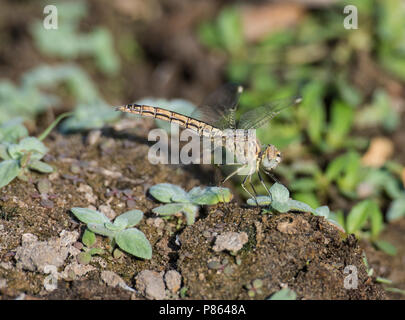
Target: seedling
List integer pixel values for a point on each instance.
(88, 240)
(254, 288)
(179, 200)
(25, 155)
(121, 231)
(284, 294)
(280, 201)
(67, 42)
(87, 116)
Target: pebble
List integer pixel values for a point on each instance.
(93, 137)
(35, 255)
(151, 284)
(3, 283)
(173, 280)
(88, 191)
(114, 280)
(44, 186)
(231, 241)
(108, 211)
(75, 270)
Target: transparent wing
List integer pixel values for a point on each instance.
(219, 108)
(260, 116)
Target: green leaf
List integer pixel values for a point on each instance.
(357, 216)
(84, 257)
(134, 242)
(263, 201)
(121, 223)
(337, 218)
(29, 144)
(3, 152)
(284, 294)
(131, 218)
(115, 227)
(40, 166)
(342, 119)
(279, 193)
(352, 173)
(89, 238)
(9, 170)
(303, 184)
(94, 251)
(223, 194)
(376, 219)
(307, 197)
(101, 229)
(323, 211)
(89, 216)
(164, 192)
(396, 209)
(209, 195)
(181, 197)
(336, 167)
(12, 131)
(299, 206)
(312, 106)
(190, 211)
(230, 29)
(169, 209)
(385, 246)
(280, 206)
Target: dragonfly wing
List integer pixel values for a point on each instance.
(219, 108)
(258, 117)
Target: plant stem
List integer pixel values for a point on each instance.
(44, 134)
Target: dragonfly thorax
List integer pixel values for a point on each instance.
(270, 157)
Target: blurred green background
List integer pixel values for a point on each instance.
(342, 147)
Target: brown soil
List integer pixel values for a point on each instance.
(310, 260)
(387, 266)
(306, 252)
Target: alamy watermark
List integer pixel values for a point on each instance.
(352, 279)
(240, 146)
(351, 20)
(51, 19)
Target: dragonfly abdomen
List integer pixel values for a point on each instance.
(202, 128)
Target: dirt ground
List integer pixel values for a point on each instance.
(301, 251)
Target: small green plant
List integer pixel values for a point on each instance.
(280, 201)
(88, 240)
(177, 200)
(90, 116)
(68, 42)
(20, 153)
(284, 294)
(255, 287)
(24, 101)
(396, 209)
(28, 100)
(362, 213)
(120, 232)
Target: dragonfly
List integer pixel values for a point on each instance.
(217, 114)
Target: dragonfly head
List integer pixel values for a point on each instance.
(271, 157)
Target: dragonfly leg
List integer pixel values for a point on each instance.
(263, 183)
(272, 177)
(251, 184)
(244, 188)
(233, 173)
